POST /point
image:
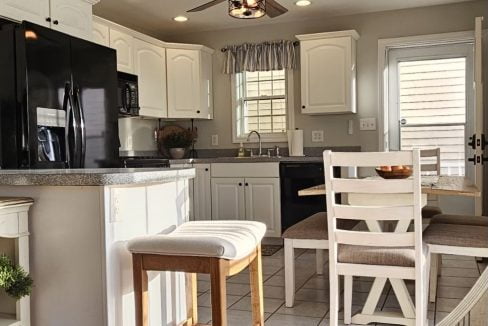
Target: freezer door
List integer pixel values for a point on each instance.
(94, 69)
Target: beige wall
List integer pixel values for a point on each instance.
(371, 27)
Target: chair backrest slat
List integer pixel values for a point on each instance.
(368, 213)
(403, 239)
(370, 159)
(378, 186)
(431, 153)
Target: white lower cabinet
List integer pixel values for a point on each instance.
(252, 199)
(202, 193)
(263, 203)
(228, 199)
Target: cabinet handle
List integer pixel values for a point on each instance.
(55, 22)
(240, 184)
(48, 19)
(198, 112)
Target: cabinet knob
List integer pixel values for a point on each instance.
(247, 184)
(206, 169)
(48, 19)
(55, 22)
(198, 112)
(303, 106)
(240, 184)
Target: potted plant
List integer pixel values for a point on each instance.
(178, 142)
(13, 279)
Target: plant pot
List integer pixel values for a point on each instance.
(177, 153)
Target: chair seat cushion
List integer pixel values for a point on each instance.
(430, 211)
(315, 227)
(471, 236)
(220, 239)
(460, 220)
(384, 256)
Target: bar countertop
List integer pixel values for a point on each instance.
(93, 177)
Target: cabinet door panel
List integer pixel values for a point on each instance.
(202, 190)
(73, 17)
(151, 70)
(101, 34)
(124, 45)
(183, 83)
(263, 203)
(327, 69)
(35, 11)
(228, 199)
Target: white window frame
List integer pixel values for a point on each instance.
(265, 137)
(384, 46)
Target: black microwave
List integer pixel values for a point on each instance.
(128, 94)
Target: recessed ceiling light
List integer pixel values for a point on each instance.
(180, 19)
(303, 3)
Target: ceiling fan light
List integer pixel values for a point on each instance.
(180, 19)
(247, 9)
(303, 3)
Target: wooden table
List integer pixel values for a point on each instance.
(442, 185)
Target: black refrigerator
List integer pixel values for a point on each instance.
(58, 100)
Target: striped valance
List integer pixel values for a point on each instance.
(265, 56)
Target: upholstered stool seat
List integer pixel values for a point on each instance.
(430, 211)
(219, 239)
(218, 248)
(460, 220)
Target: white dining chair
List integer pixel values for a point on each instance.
(431, 168)
(394, 256)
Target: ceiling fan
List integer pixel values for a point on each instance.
(248, 8)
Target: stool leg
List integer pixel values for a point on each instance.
(256, 276)
(140, 290)
(191, 299)
(218, 292)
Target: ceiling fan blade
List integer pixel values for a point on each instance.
(274, 9)
(206, 6)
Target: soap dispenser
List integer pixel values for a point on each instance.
(242, 151)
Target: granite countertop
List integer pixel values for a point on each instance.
(92, 177)
(264, 159)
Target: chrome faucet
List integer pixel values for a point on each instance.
(259, 139)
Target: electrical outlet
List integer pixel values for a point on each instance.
(317, 136)
(367, 124)
(215, 140)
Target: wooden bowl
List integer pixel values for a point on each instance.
(397, 174)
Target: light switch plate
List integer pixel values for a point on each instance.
(317, 136)
(215, 140)
(367, 124)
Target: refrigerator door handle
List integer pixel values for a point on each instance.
(71, 124)
(82, 126)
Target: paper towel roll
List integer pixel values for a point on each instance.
(295, 142)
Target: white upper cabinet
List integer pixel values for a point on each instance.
(328, 72)
(101, 34)
(36, 11)
(149, 66)
(73, 17)
(189, 84)
(124, 45)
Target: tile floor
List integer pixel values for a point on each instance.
(311, 306)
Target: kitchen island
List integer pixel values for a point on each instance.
(79, 224)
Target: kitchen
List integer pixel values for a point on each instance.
(183, 119)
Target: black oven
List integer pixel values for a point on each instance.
(128, 94)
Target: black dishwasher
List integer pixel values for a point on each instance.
(295, 176)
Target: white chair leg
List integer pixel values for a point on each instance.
(334, 300)
(348, 299)
(289, 273)
(319, 257)
(433, 274)
(420, 299)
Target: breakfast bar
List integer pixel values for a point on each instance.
(79, 224)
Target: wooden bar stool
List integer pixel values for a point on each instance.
(218, 248)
